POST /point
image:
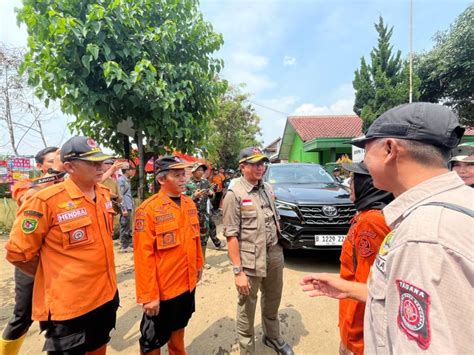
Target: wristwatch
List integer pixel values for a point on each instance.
(236, 269)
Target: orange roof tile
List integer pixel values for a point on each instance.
(310, 127)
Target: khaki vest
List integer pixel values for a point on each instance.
(253, 239)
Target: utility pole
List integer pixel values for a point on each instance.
(410, 98)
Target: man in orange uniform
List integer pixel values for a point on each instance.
(62, 236)
(168, 260)
(49, 163)
(368, 229)
(217, 181)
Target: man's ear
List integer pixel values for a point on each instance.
(68, 167)
(391, 149)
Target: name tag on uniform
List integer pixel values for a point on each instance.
(108, 205)
(65, 216)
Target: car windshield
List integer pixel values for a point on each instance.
(298, 174)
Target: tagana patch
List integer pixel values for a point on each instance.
(29, 225)
(413, 313)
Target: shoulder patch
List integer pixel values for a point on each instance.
(29, 225)
(413, 313)
(365, 247)
(31, 213)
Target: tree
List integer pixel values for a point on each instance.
(446, 71)
(108, 61)
(235, 126)
(18, 109)
(384, 83)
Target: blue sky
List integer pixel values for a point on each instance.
(298, 56)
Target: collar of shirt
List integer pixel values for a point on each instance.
(75, 192)
(249, 187)
(419, 193)
(166, 200)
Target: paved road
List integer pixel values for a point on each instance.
(310, 325)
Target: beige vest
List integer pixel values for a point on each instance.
(253, 240)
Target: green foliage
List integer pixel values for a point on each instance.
(384, 83)
(446, 71)
(109, 60)
(235, 126)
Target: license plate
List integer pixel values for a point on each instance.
(329, 239)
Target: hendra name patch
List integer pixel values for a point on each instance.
(66, 216)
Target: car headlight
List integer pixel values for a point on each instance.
(283, 205)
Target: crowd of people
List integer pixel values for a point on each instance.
(406, 276)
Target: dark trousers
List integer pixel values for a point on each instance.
(216, 201)
(21, 321)
(213, 232)
(125, 230)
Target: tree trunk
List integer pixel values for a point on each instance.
(141, 166)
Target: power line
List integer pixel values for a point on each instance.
(269, 108)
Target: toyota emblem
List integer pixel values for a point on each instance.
(329, 211)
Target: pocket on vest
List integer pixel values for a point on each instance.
(247, 255)
(249, 219)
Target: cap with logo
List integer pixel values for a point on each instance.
(358, 168)
(198, 165)
(420, 121)
(252, 155)
(463, 152)
(169, 163)
(82, 148)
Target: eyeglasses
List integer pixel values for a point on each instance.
(258, 164)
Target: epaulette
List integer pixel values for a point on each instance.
(148, 201)
(103, 186)
(50, 191)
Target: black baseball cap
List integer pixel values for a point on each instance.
(358, 168)
(420, 121)
(82, 148)
(252, 155)
(169, 163)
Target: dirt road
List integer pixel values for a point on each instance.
(309, 325)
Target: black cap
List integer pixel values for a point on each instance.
(82, 148)
(420, 121)
(169, 163)
(358, 168)
(252, 155)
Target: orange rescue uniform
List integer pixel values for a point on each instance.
(166, 247)
(218, 181)
(73, 237)
(368, 230)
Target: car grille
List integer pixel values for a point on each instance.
(314, 215)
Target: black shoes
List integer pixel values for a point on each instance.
(280, 346)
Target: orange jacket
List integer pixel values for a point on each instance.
(73, 237)
(218, 181)
(167, 248)
(359, 250)
(24, 189)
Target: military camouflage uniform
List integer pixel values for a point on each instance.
(201, 204)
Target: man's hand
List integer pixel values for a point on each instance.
(242, 283)
(199, 274)
(119, 165)
(29, 267)
(152, 308)
(333, 286)
(325, 285)
(198, 194)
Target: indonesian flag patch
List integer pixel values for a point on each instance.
(247, 202)
(413, 313)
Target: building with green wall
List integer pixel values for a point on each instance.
(318, 139)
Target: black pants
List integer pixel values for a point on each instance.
(213, 232)
(85, 333)
(216, 201)
(21, 321)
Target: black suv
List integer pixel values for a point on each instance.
(315, 210)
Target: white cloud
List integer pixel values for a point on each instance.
(340, 107)
(289, 61)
